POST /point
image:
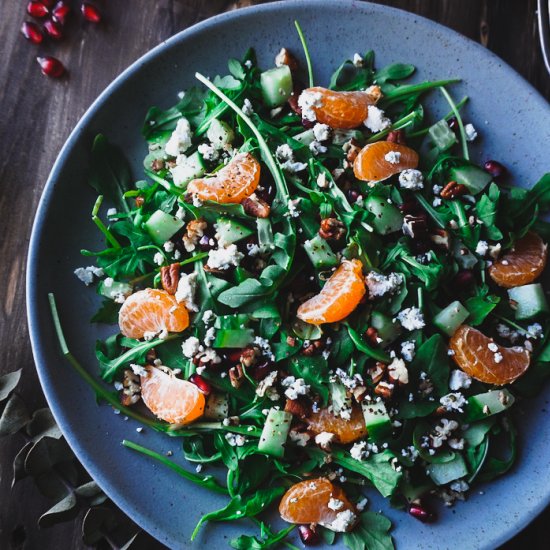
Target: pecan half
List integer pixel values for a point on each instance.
(377, 372)
(414, 226)
(254, 206)
(384, 390)
(440, 238)
(397, 136)
(236, 376)
(139, 201)
(351, 148)
(332, 229)
(249, 356)
(170, 276)
(284, 57)
(131, 391)
(372, 336)
(193, 232)
(157, 165)
(298, 407)
(452, 190)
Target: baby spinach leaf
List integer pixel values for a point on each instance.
(267, 539)
(371, 533)
(314, 370)
(479, 307)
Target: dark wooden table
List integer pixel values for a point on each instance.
(38, 114)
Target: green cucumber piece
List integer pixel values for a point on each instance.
(233, 338)
(320, 253)
(217, 406)
(265, 232)
(387, 330)
(474, 178)
(445, 472)
(116, 289)
(276, 85)
(387, 217)
(487, 404)
(162, 226)
(220, 134)
(306, 138)
(339, 137)
(188, 169)
(451, 317)
(377, 419)
(275, 433)
(231, 231)
(341, 402)
(442, 136)
(464, 258)
(239, 320)
(530, 300)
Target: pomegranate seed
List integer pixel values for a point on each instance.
(409, 207)
(353, 195)
(494, 168)
(37, 9)
(51, 66)
(201, 383)
(234, 356)
(419, 512)
(48, 3)
(31, 31)
(53, 29)
(90, 12)
(308, 535)
(61, 11)
(260, 371)
(453, 123)
(464, 279)
(396, 136)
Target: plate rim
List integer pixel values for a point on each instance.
(32, 299)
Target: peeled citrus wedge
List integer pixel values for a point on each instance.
(169, 398)
(151, 311)
(338, 298)
(522, 264)
(347, 431)
(232, 184)
(308, 502)
(479, 357)
(342, 110)
(380, 160)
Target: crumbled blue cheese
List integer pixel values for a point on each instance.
(235, 440)
(180, 140)
(264, 346)
(436, 202)
(460, 486)
(139, 370)
(350, 382)
(498, 357)
(307, 101)
(209, 337)
(87, 274)
(453, 402)
(168, 246)
(191, 347)
(321, 132)
(482, 248)
(411, 179)
(362, 504)
(292, 208)
(158, 258)
(357, 59)
(185, 293)
(380, 284)
(266, 387)
(359, 451)
(335, 504)
(470, 131)
(343, 522)
(442, 432)
(393, 157)
(458, 380)
(224, 258)
(247, 107)
(376, 120)
(208, 316)
(295, 387)
(111, 212)
(492, 346)
(208, 152)
(317, 148)
(534, 330)
(411, 318)
(324, 440)
(285, 155)
(397, 371)
(408, 350)
(300, 438)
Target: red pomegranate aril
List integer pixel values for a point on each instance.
(260, 371)
(353, 195)
(453, 123)
(53, 29)
(37, 9)
(234, 356)
(201, 383)
(397, 136)
(32, 32)
(419, 512)
(494, 168)
(464, 279)
(60, 12)
(308, 536)
(51, 66)
(90, 12)
(48, 3)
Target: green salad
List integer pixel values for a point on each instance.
(320, 294)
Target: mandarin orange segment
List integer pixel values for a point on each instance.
(338, 298)
(308, 502)
(169, 398)
(151, 311)
(522, 264)
(341, 110)
(347, 431)
(378, 161)
(232, 184)
(479, 357)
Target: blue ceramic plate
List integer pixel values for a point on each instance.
(514, 126)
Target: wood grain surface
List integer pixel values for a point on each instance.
(37, 114)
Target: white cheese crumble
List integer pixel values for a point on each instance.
(460, 486)
(208, 152)
(359, 451)
(180, 140)
(344, 520)
(235, 440)
(208, 317)
(111, 212)
(411, 179)
(324, 440)
(285, 155)
(158, 258)
(265, 387)
(498, 357)
(380, 284)
(295, 387)
(292, 208)
(459, 379)
(263, 344)
(190, 347)
(317, 148)
(209, 337)
(454, 401)
(362, 504)
(357, 59)
(335, 504)
(139, 370)
(300, 438)
(397, 371)
(408, 350)
(470, 131)
(185, 293)
(247, 107)
(393, 157)
(534, 330)
(168, 246)
(482, 248)
(224, 258)
(376, 120)
(86, 274)
(411, 318)
(492, 346)
(108, 282)
(307, 101)
(321, 132)
(436, 202)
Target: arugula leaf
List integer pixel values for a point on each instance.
(487, 210)
(267, 539)
(314, 370)
(479, 307)
(538, 195)
(371, 533)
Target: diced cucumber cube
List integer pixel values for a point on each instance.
(162, 226)
(451, 317)
(386, 329)
(217, 406)
(529, 300)
(188, 169)
(320, 253)
(445, 472)
(275, 433)
(474, 178)
(487, 404)
(377, 419)
(115, 289)
(231, 231)
(306, 138)
(442, 136)
(339, 137)
(387, 217)
(276, 85)
(464, 258)
(233, 338)
(341, 402)
(220, 134)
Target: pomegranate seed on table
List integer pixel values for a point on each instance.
(494, 168)
(419, 512)
(32, 32)
(51, 66)
(90, 12)
(201, 383)
(61, 11)
(37, 9)
(308, 536)
(53, 29)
